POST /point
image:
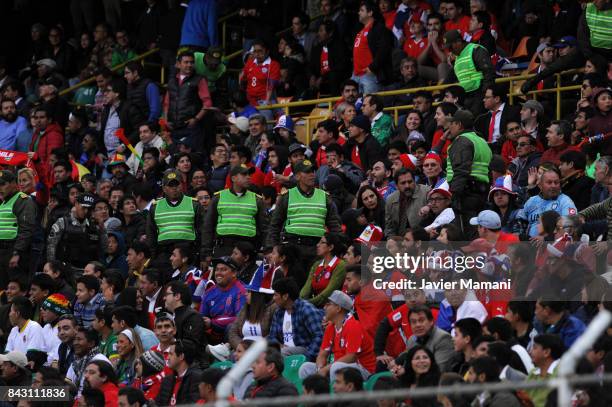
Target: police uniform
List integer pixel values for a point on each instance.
(76, 241)
(303, 217)
(171, 223)
(467, 171)
(17, 224)
(231, 218)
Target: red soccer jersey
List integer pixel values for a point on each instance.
(355, 158)
(463, 25)
(322, 275)
(415, 48)
(351, 338)
(362, 56)
(259, 77)
(504, 241)
(371, 306)
(324, 61)
(436, 139)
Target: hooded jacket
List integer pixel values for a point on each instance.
(117, 260)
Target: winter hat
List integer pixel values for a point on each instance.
(441, 187)
(362, 122)
(433, 156)
(408, 161)
(559, 247)
(370, 235)
(57, 303)
(502, 184)
(285, 122)
(153, 361)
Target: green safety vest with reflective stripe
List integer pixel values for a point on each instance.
(8, 220)
(306, 216)
(600, 26)
(237, 215)
(465, 70)
(480, 163)
(175, 222)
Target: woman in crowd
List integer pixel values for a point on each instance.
(254, 318)
(326, 275)
(419, 370)
(345, 112)
(196, 180)
(241, 385)
(73, 192)
(148, 369)
(184, 165)
(372, 204)
(62, 275)
(153, 169)
(129, 348)
(439, 144)
(413, 128)
(115, 256)
(132, 297)
(285, 260)
(26, 181)
(502, 199)
(277, 161)
(267, 141)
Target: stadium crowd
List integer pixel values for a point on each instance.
(150, 233)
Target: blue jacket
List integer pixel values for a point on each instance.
(306, 326)
(569, 328)
(200, 24)
(119, 259)
(10, 131)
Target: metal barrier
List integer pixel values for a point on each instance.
(511, 96)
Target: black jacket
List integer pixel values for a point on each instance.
(578, 187)
(190, 325)
(188, 392)
(380, 42)
(126, 121)
(510, 113)
(338, 57)
(370, 151)
(271, 387)
(573, 60)
(135, 229)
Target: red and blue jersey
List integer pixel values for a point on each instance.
(222, 305)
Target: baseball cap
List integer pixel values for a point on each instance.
(241, 122)
(6, 177)
(184, 141)
(241, 169)
(15, 357)
(297, 147)
(487, 219)
(464, 117)
(567, 41)
(451, 37)
(86, 200)
(362, 122)
(542, 47)
(48, 62)
(303, 166)
(171, 176)
(227, 260)
(341, 299)
(534, 105)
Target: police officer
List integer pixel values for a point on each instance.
(75, 238)
(473, 69)
(303, 212)
(17, 224)
(234, 215)
(467, 169)
(173, 219)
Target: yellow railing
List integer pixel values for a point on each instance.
(512, 94)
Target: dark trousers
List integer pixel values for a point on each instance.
(469, 204)
(6, 252)
(83, 15)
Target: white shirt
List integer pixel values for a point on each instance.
(133, 162)
(52, 342)
(31, 337)
(251, 330)
(287, 330)
(497, 125)
(152, 301)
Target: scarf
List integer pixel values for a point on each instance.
(79, 364)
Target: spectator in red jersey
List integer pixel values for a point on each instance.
(149, 368)
(481, 5)
(455, 19)
(372, 50)
(489, 228)
(416, 42)
(432, 61)
(362, 148)
(558, 135)
(511, 133)
(388, 12)
(327, 134)
(47, 136)
(329, 64)
(410, 10)
(260, 75)
(277, 162)
(345, 339)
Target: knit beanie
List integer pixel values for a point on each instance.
(152, 362)
(57, 303)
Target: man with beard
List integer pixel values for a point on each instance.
(86, 350)
(66, 331)
(402, 206)
(549, 199)
(10, 124)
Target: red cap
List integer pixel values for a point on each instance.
(433, 156)
(408, 161)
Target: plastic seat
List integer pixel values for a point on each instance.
(292, 368)
(226, 365)
(369, 384)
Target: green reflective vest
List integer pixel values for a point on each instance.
(8, 220)
(465, 70)
(306, 216)
(175, 223)
(482, 158)
(237, 215)
(600, 26)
